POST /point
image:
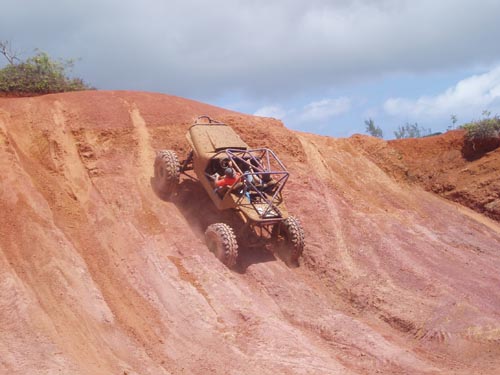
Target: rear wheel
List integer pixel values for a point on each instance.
(167, 171)
(292, 239)
(222, 242)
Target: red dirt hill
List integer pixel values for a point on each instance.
(100, 276)
(444, 165)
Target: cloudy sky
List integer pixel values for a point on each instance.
(322, 66)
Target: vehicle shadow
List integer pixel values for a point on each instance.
(199, 211)
(250, 255)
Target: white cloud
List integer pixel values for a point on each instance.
(273, 111)
(284, 52)
(263, 48)
(317, 113)
(467, 98)
(324, 110)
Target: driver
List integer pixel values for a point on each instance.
(230, 177)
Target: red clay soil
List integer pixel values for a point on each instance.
(443, 164)
(100, 276)
(450, 169)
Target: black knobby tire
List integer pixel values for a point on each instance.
(292, 231)
(167, 171)
(222, 242)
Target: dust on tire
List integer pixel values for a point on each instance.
(221, 241)
(293, 234)
(167, 172)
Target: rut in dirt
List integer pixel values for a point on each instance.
(100, 275)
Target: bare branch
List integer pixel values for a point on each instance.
(8, 53)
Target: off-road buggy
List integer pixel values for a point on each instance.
(256, 196)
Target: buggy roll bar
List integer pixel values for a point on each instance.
(210, 121)
(259, 169)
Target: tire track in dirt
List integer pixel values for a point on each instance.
(144, 148)
(322, 169)
(392, 280)
(67, 158)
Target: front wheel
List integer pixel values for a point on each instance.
(291, 238)
(167, 171)
(222, 242)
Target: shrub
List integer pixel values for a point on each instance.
(481, 137)
(411, 131)
(484, 129)
(39, 75)
(372, 129)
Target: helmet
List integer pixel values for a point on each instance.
(229, 172)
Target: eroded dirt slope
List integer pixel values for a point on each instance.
(444, 164)
(100, 276)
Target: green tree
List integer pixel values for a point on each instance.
(411, 131)
(372, 129)
(486, 114)
(39, 74)
(454, 121)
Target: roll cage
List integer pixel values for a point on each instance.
(262, 177)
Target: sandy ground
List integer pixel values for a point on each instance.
(100, 276)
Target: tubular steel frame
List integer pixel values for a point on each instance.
(257, 167)
(254, 166)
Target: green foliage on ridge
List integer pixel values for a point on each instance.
(39, 74)
(372, 129)
(411, 131)
(486, 128)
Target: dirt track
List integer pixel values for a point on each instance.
(100, 276)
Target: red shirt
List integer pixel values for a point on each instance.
(227, 181)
